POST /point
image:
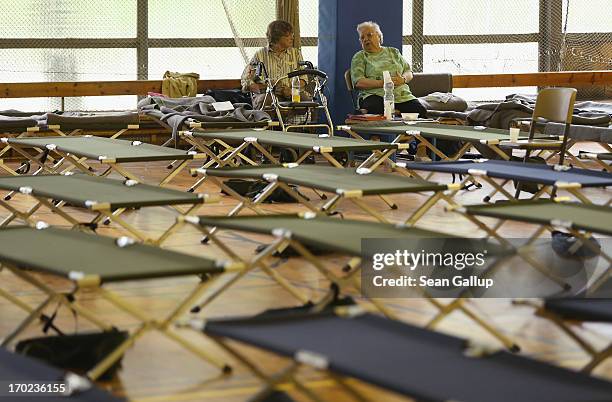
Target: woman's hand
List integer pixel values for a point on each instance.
(398, 80)
(256, 88)
(283, 91)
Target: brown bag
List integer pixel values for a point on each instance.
(177, 85)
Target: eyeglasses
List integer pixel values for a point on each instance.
(367, 35)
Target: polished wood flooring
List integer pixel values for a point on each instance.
(159, 370)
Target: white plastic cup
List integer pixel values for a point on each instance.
(514, 134)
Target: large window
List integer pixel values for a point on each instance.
(97, 40)
(57, 19)
(588, 15)
(480, 17)
(67, 40)
(74, 40)
(481, 58)
(309, 29)
(53, 65)
(203, 37)
(209, 62)
(507, 36)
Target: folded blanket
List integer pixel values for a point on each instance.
(439, 97)
(500, 115)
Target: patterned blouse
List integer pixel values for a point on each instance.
(277, 65)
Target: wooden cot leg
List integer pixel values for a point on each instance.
(426, 206)
(598, 359)
(34, 314)
(371, 211)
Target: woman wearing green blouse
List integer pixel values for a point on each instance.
(367, 69)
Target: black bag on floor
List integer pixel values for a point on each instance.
(527, 187)
(448, 147)
(78, 352)
(569, 246)
(330, 301)
(252, 188)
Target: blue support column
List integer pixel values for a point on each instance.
(338, 41)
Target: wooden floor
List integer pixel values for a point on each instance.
(156, 369)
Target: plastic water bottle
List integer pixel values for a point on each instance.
(295, 89)
(389, 97)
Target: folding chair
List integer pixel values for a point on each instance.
(552, 105)
(351, 90)
(316, 81)
(344, 343)
(567, 314)
(88, 262)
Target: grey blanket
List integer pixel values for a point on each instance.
(582, 133)
(174, 111)
(500, 115)
(17, 123)
(92, 121)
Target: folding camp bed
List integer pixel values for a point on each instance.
(308, 231)
(580, 220)
(552, 178)
(192, 122)
(398, 357)
(23, 378)
(345, 184)
(234, 143)
(186, 122)
(16, 126)
(583, 133)
(73, 123)
(567, 313)
(88, 261)
(603, 159)
(112, 153)
(78, 123)
(492, 138)
(105, 198)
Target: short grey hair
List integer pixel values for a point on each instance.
(370, 24)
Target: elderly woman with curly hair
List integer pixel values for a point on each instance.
(279, 58)
(367, 69)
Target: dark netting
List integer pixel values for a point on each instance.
(509, 36)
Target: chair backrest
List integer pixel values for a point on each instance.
(555, 104)
(351, 89)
